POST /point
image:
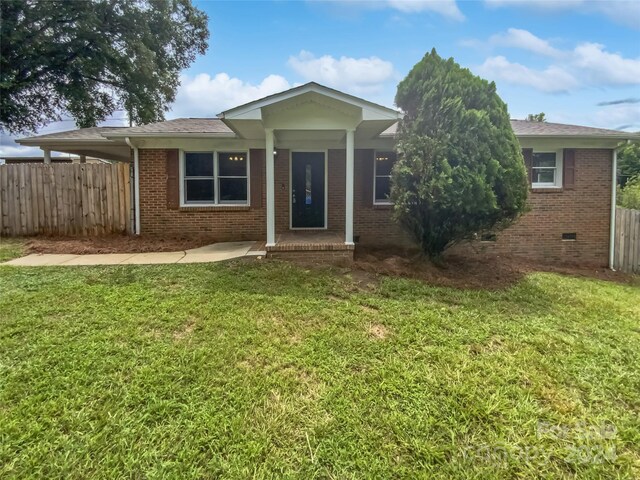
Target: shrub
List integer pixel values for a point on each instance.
(460, 169)
(629, 196)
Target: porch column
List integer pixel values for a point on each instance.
(271, 191)
(47, 155)
(348, 227)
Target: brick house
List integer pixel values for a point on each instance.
(307, 171)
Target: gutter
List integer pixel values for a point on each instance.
(136, 185)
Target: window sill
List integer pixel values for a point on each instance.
(546, 189)
(214, 208)
(382, 206)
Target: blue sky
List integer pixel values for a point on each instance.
(564, 57)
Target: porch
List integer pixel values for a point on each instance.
(310, 135)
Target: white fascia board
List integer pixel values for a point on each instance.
(621, 136)
(375, 110)
(554, 143)
(67, 141)
(379, 114)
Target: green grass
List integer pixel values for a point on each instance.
(10, 248)
(266, 370)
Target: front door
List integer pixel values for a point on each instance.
(307, 190)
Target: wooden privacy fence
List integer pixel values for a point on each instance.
(64, 199)
(627, 240)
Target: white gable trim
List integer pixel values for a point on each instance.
(252, 110)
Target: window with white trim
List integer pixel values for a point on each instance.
(215, 178)
(383, 163)
(546, 169)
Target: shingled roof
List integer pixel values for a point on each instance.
(79, 135)
(213, 126)
(181, 126)
(524, 128)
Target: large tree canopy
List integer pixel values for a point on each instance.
(90, 58)
(460, 170)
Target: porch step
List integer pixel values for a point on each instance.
(306, 247)
(316, 247)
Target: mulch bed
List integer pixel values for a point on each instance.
(455, 271)
(112, 244)
(469, 271)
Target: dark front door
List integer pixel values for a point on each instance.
(307, 190)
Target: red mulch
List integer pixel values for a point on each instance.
(470, 271)
(112, 244)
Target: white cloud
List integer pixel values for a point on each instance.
(622, 116)
(206, 96)
(588, 64)
(9, 148)
(446, 8)
(525, 40)
(604, 67)
(551, 80)
(625, 12)
(358, 75)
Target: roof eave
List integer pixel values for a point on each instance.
(584, 137)
(36, 141)
(174, 135)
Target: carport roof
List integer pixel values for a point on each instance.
(91, 134)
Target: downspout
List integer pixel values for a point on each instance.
(614, 194)
(136, 185)
(612, 223)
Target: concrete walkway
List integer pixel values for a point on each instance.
(210, 253)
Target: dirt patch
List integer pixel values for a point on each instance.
(112, 244)
(460, 271)
(185, 331)
(378, 331)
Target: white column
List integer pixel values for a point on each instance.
(47, 155)
(271, 189)
(348, 227)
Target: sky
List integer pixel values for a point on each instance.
(576, 60)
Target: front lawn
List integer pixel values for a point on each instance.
(10, 248)
(267, 370)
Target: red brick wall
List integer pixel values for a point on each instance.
(584, 210)
(219, 223)
(372, 224)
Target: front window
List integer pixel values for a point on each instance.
(382, 177)
(212, 178)
(232, 177)
(546, 169)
